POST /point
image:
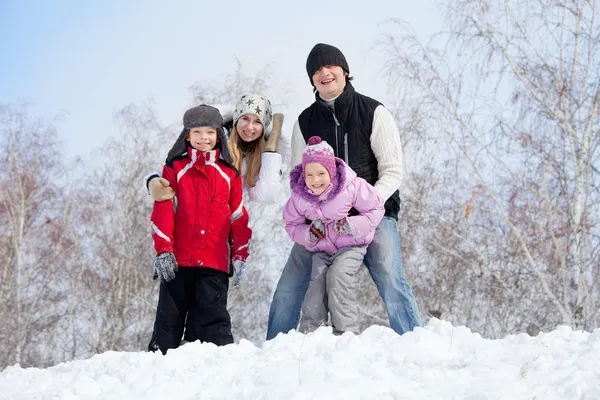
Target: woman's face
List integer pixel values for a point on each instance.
(249, 127)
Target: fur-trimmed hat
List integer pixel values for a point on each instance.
(202, 115)
(253, 103)
(324, 54)
(318, 151)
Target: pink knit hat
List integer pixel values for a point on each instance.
(319, 151)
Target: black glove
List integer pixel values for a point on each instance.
(165, 267)
(316, 230)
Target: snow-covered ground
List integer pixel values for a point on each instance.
(439, 361)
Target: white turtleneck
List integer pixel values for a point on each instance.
(329, 102)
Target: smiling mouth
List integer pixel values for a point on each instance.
(325, 82)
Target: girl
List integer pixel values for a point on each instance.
(333, 213)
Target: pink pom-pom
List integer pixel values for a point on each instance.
(314, 140)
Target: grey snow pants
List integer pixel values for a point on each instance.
(332, 289)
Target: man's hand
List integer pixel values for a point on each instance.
(160, 190)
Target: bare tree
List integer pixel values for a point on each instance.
(115, 216)
(229, 88)
(511, 92)
(37, 245)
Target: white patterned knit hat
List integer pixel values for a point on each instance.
(253, 103)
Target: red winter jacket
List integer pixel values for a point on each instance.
(206, 215)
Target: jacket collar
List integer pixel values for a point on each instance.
(340, 104)
(203, 157)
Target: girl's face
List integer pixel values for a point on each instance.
(316, 177)
(203, 138)
(249, 127)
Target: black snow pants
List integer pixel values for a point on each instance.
(195, 300)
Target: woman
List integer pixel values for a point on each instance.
(254, 150)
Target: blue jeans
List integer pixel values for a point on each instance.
(384, 262)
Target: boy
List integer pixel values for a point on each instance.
(197, 234)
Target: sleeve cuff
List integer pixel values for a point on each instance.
(148, 178)
(270, 169)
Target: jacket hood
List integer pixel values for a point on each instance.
(344, 175)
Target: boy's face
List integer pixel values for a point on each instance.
(203, 138)
(316, 177)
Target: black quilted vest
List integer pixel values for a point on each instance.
(348, 131)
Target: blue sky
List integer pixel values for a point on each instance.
(83, 60)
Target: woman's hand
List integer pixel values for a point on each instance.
(160, 190)
(273, 140)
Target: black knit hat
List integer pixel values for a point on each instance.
(324, 54)
(202, 115)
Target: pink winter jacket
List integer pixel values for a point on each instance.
(346, 192)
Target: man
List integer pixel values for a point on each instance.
(364, 134)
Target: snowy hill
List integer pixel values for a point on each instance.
(439, 361)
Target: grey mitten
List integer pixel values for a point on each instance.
(239, 267)
(316, 230)
(160, 189)
(342, 227)
(165, 267)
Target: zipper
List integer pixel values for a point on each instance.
(337, 143)
(346, 148)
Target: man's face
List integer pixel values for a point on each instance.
(330, 81)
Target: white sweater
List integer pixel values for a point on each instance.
(385, 143)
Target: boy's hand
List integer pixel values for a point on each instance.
(239, 267)
(165, 267)
(160, 189)
(316, 230)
